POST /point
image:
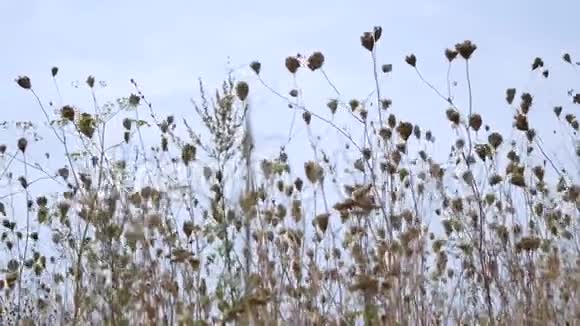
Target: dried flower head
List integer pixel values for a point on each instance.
(242, 90)
(54, 71)
(315, 61)
(466, 49)
(521, 122)
(256, 66)
(307, 116)
(475, 121)
(24, 82)
(453, 115)
(67, 112)
(91, 81)
(322, 221)
(292, 64)
(367, 40)
(566, 57)
(411, 60)
(392, 120)
(377, 32)
(537, 63)
(405, 129)
(495, 139)
(134, 100)
(86, 125)
(188, 153)
(22, 143)
(314, 171)
(332, 105)
(510, 93)
(557, 111)
(450, 54)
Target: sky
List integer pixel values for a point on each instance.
(166, 46)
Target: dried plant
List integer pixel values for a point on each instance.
(177, 222)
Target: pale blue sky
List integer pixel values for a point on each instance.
(167, 45)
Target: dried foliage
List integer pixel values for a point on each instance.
(195, 230)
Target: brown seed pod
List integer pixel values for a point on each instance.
(475, 121)
(67, 112)
(242, 90)
(315, 61)
(465, 49)
(453, 115)
(332, 105)
(367, 40)
(292, 64)
(405, 129)
(450, 54)
(521, 122)
(495, 139)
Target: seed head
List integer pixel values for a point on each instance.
(292, 64)
(538, 63)
(22, 143)
(367, 40)
(411, 60)
(405, 129)
(466, 49)
(566, 57)
(495, 139)
(521, 122)
(242, 90)
(91, 81)
(510, 93)
(24, 82)
(134, 100)
(453, 115)
(377, 32)
(475, 121)
(315, 61)
(332, 105)
(54, 71)
(557, 111)
(307, 116)
(68, 113)
(256, 66)
(450, 54)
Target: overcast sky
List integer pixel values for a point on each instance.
(167, 45)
